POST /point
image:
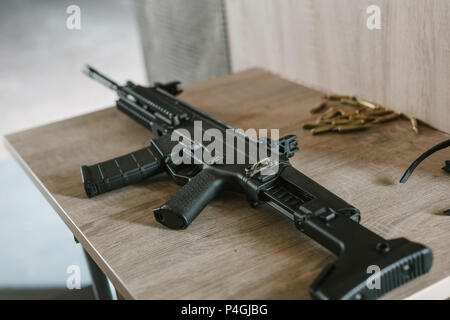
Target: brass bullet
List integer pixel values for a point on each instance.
(349, 101)
(368, 104)
(362, 116)
(330, 113)
(388, 117)
(348, 122)
(350, 128)
(322, 129)
(318, 108)
(311, 125)
(379, 112)
(335, 97)
(340, 121)
(347, 111)
(415, 125)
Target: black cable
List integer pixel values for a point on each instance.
(447, 166)
(425, 155)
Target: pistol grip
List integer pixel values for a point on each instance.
(121, 171)
(185, 205)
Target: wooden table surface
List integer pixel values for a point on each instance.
(233, 251)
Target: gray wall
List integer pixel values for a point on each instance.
(41, 60)
(183, 39)
(41, 82)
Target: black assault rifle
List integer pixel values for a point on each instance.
(315, 211)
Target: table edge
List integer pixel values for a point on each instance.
(95, 255)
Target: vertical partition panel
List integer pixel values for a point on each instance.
(404, 65)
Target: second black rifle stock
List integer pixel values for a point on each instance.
(315, 211)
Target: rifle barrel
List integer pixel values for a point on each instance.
(94, 74)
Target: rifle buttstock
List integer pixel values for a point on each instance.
(368, 274)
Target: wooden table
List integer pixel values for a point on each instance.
(233, 251)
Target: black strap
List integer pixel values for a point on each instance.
(425, 155)
(447, 166)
